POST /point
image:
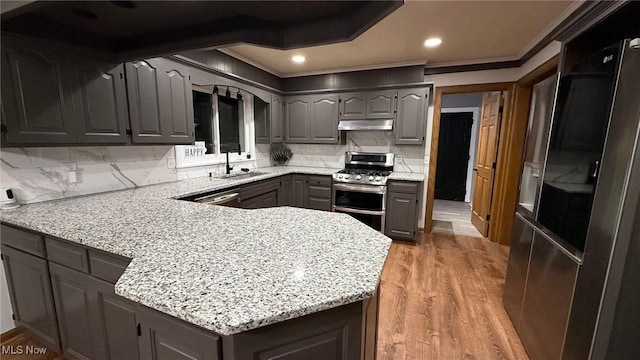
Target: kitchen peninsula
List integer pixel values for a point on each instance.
(225, 283)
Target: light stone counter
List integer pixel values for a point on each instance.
(225, 269)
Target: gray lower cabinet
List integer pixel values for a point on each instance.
(312, 119)
(37, 100)
(263, 194)
(277, 118)
(319, 193)
(335, 334)
(165, 338)
(30, 293)
(411, 116)
(299, 191)
(160, 102)
(100, 102)
(94, 322)
(517, 269)
(401, 221)
(285, 191)
(547, 300)
(266, 200)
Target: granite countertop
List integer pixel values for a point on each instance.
(225, 269)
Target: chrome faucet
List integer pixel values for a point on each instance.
(229, 167)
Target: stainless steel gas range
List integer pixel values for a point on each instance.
(360, 189)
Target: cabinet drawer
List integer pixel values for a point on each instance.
(67, 254)
(322, 192)
(106, 266)
(403, 187)
(23, 240)
(320, 180)
(319, 204)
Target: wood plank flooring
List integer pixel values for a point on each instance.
(440, 299)
(15, 340)
(453, 218)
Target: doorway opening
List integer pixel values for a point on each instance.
(457, 152)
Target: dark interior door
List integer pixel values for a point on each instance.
(453, 155)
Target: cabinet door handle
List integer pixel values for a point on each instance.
(139, 329)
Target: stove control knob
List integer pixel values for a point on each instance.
(340, 177)
(370, 178)
(378, 178)
(358, 177)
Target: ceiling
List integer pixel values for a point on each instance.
(127, 30)
(471, 31)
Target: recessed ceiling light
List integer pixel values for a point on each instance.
(298, 59)
(433, 42)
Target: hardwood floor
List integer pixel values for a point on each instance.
(15, 344)
(442, 299)
(453, 218)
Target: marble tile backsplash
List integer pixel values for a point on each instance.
(332, 156)
(41, 173)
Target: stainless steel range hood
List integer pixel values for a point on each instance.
(386, 124)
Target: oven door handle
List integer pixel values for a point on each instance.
(361, 188)
(358, 211)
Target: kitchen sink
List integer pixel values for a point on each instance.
(243, 175)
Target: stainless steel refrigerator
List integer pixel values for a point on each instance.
(579, 197)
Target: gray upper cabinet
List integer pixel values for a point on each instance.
(312, 119)
(160, 102)
(368, 105)
(324, 118)
(36, 95)
(261, 121)
(30, 293)
(352, 106)
(100, 102)
(381, 104)
(411, 116)
(277, 118)
(297, 117)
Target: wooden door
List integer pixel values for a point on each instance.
(486, 161)
(453, 155)
(324, 119)
(297, 119)
(100, 101)
(410, 117)
(30, 293)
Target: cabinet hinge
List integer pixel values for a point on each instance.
(129, 132)
(139, 329)
(488, 217)
(3, 128)
(121, 76)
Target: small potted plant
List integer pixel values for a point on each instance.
(279, 153)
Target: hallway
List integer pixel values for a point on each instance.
(453, 218)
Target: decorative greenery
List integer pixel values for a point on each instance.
(279, 153)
